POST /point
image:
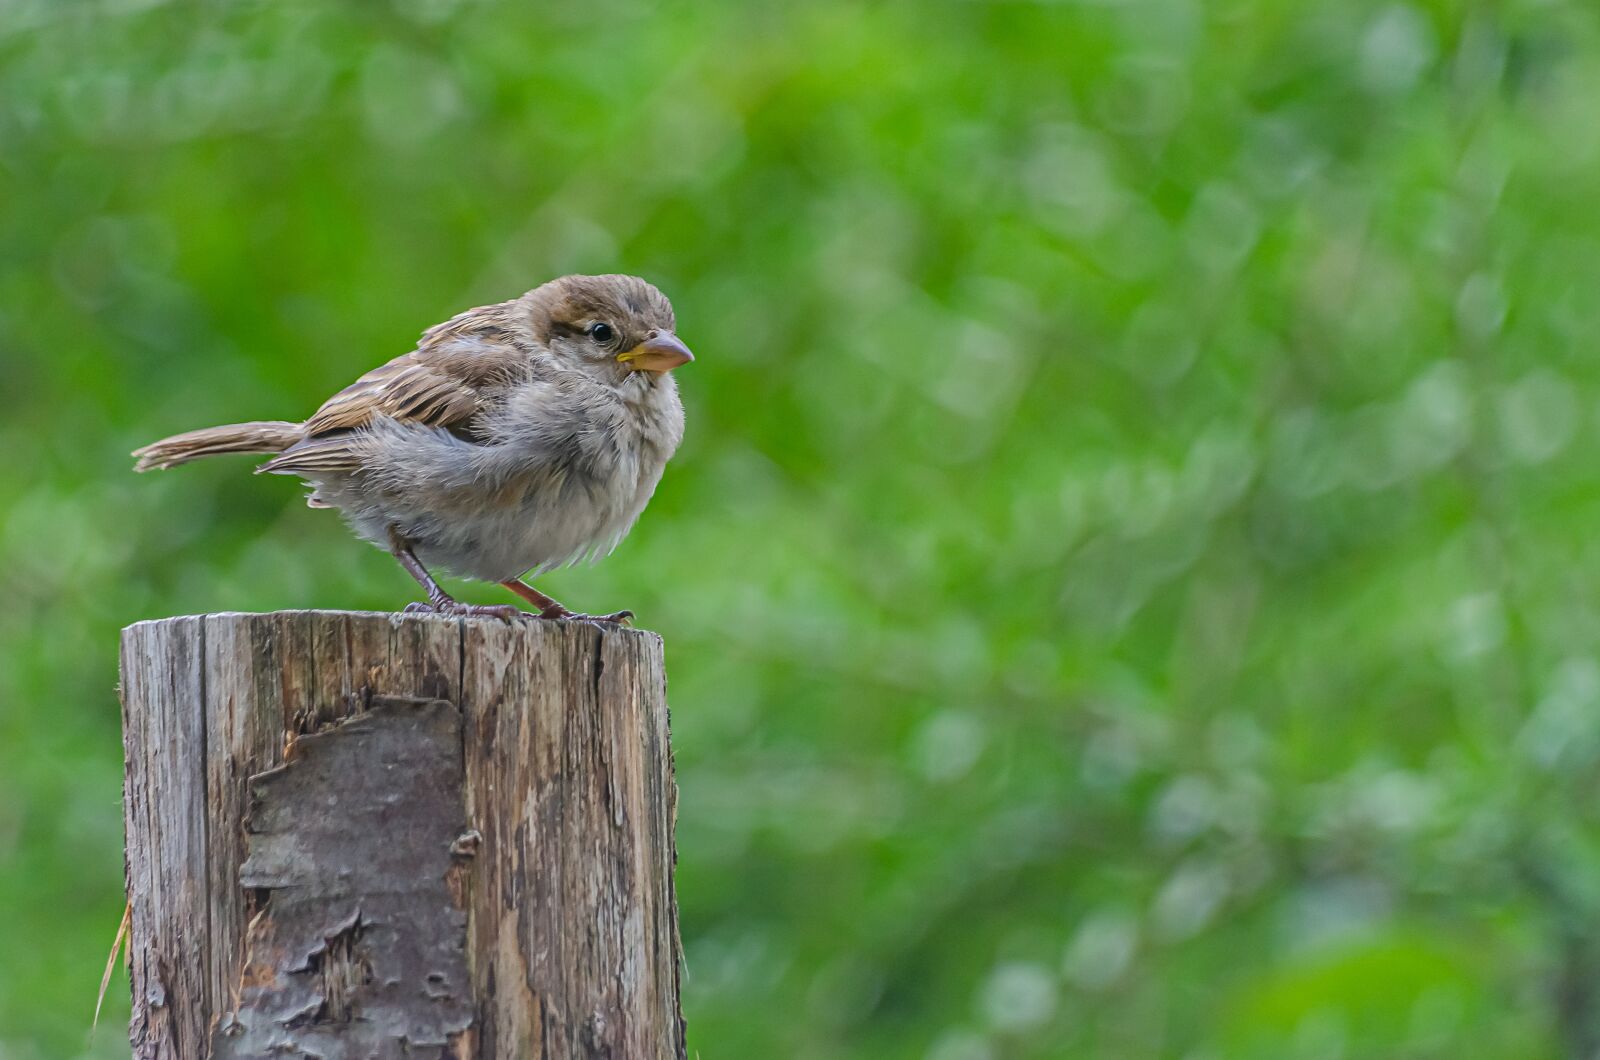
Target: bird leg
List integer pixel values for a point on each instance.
(549, 608)
(439, 601)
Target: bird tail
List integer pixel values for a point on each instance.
(264, 436)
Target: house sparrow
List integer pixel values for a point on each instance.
(516, 437)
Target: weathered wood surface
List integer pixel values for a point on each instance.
(368, 835)
(353, 914)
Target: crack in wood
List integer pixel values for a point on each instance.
(343, 967)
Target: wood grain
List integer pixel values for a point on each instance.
(563, 865)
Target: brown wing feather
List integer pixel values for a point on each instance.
(332, 452)
(443, 382)
(407, 388)
(457, 368)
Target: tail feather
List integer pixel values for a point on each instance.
(265, 436)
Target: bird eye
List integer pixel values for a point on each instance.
(601, 333)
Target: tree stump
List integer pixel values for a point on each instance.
(364, 836)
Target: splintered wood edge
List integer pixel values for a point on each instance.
(397, 618)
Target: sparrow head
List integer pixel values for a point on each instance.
(620, 327)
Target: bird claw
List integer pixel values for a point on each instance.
(508, 613)
(455, 608)
(616, 618)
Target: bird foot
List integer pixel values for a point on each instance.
(508, 613)
(456, 608)
(561, 614)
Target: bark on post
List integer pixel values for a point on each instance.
(367, 835)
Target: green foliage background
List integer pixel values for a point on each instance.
(1130, 583)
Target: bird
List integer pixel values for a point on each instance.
(514, 439)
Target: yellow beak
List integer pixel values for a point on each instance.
(661, 352)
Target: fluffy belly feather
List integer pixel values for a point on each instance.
(494, 523)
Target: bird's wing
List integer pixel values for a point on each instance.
(410, 387)
(456, 368)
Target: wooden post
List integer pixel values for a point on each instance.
(366, 835)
